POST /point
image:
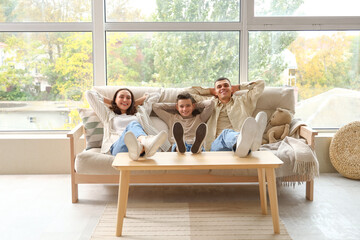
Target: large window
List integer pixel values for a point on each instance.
(52, 51)
(43, 77)
(323, 67)
(43, 71)
(172, 59)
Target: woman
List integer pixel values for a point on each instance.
(122, 130)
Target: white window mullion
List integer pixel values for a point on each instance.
(343, 21)
(46, 27)
(302, 27)
(172, 26)
(99, 42)
(246, 11)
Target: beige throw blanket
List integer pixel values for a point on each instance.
(298, 158)
(143, 115)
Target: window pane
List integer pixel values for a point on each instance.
(172, 59)
(45, 11)
(324, 68)
(307, 8)
(42, 79)
(172, 11)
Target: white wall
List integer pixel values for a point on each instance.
(47, 154)
(27, 154)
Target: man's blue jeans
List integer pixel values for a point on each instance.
(119, 146)
(225, 141)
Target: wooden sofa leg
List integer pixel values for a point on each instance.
(74, 190)
(310, 190)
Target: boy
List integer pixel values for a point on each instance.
(188, 124)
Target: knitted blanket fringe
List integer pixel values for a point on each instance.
(300, 161)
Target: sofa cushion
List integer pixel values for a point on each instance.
(274, 97)
(94, 129)
(95, 163)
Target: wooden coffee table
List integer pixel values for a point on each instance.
(265, 162)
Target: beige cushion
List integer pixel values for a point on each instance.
(95, 163)
(274, 97)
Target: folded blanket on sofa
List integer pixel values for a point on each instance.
(298, 158)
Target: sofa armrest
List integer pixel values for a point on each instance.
(309, 135)
(74, 136)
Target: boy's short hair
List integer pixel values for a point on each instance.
(185, 95)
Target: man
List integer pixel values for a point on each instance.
(231, 126)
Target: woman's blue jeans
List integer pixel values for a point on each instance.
(119, 146)
(225, 141)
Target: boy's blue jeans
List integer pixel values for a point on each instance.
(119, 146)
(187, 147)
(225, 141)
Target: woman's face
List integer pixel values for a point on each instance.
(123, 100)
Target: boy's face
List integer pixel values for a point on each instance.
(185, 107)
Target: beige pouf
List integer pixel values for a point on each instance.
(345, 150)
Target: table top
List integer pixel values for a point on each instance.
(203, 160)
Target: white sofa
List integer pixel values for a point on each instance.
(90, 166)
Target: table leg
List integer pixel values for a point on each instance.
(126, 193)
(271, 180)
(122, 200)
(262, 188)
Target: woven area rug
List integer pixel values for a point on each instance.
(196, 221)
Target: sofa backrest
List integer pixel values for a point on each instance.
(272, 97)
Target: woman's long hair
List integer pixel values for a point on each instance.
(131, 110)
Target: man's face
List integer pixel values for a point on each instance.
(185, 107)
(223, 90)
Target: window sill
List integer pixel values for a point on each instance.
(32, 135)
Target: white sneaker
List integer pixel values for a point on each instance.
(246, 137)
(152, 143)
(261, 120)
(200, 135)
(133, 145)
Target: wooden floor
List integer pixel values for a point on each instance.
(39, 206)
